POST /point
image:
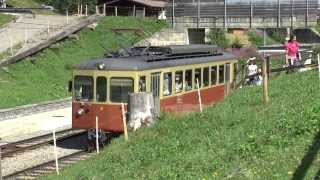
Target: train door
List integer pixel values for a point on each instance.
(227, 79)
(155, 89)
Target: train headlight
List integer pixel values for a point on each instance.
(80, 112)
(101, 66)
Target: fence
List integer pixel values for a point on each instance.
(275, 65)
(225, 13)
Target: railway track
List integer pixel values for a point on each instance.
(12, 149)
(49, 167)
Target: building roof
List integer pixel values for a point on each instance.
(147, 62)
(151, 3)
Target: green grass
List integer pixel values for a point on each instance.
(239, 138)
(5, 18)
(47, 77)
(257, 39)
(23, 3)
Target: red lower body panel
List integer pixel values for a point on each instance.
(110, 116)
(190, 101)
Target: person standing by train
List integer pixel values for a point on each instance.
(292, 49)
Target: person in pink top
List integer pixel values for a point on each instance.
(292, 49)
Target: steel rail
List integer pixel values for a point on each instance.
(49, 167)
(10, 149)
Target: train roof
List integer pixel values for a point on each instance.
(146, 58)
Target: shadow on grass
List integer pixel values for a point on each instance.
(307, 160)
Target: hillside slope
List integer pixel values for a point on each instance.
(237, 139)
(45, 76)
(5, 18)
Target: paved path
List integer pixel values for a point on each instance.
(34, 125)
(32, 29)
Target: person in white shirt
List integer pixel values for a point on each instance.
(252, 69)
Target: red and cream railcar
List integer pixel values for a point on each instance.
(170, 73)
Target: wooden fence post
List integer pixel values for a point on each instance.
(124, 121)
(199, 95)
(86, 10)
(81, 10)
(78, 9)
(97, 134)
(104, 9)
(67, 14)
(116, 10)
(0, 165)
(134, 10)
(55, 150)
(265, 81)
(319, 64)
(97, 10)
(11, 45)
(25, 36)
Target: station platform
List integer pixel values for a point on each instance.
(34, 125)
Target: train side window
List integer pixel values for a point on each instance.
(188, 80)
(83, 88)
(120, 88)
(142, 84)
(205, 76)
(179, 81)
(167, 84)
(101, 92)
(213, 75)
(221, 74)
(197, 75)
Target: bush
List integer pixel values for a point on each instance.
(218, 37)
(236, 44)
(255, 39)
(278, 35)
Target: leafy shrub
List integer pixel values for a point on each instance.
(218, 37)
(255, 39)
(278, 35)
(236, 44)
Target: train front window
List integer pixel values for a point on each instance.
(101, 92)
(120, 89)
(142, 84)
(221, 74)
(83, 88)
(167, 84)
(197, 75)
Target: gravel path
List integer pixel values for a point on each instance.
(41, 155)
(34, 29)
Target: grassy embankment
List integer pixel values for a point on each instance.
(24, 3)
(46, 76)
(5, 18)
(239, 138)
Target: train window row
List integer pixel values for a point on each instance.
(198, 75)
(184, 81)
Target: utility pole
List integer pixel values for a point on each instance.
(198, 18)
(307, 13)
(173, 14)
(292, 2)
(225, 14)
